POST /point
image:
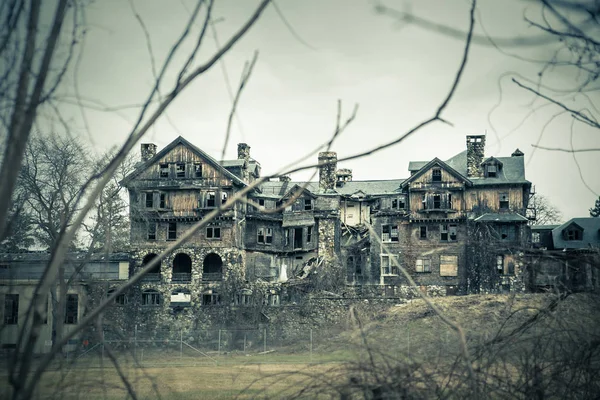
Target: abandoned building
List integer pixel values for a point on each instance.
(567, 256)
(281, 229)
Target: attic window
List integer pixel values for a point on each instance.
(573, 234)
(164, 170)
(437, 201)
(198, 170)
(491, 171)
(307, 204)
(180, 170)
(436, 175)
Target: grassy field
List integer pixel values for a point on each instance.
(403, 332)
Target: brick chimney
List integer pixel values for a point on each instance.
(327, 168)
(148, 151)
(475, 154)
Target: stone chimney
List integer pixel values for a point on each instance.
(517, 153)
(243, 152)
(327, 168)
(148, 151)
(475, 154)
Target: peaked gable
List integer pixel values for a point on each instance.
(294, 189)
(436, 162)
(180, 141)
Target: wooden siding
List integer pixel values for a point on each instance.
(489, 198)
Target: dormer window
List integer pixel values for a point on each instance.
(436, 175)
(492, 167)
(308, 204)
(491, 171)
(572, 233)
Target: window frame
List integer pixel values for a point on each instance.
(172, 231)
(391, 229)
(503, 201)
(309, 232)
(436, 175)
(162, 200)
(213, 232)
(149, 199)
(198, 170)
(151, 231)
(180, 170)
(308, 204)
(11, 313)
(423, 232)
(164, 170)
(443, 271)
(388, 265)
(211, 199)
(423, 265)
(151, 298)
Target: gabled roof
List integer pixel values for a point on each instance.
(513, 170)
(437, 162)
(368, 188)
(492, 160)
(294, 189)
(180, 140)
(590, 237)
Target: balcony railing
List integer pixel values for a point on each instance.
(181, 277)
(151, 277)
(212, 276)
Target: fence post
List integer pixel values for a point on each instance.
(103, 348)
(311, 344)
(181, 343)
(245, 342)
(219, 352)
(408, 340)
(265, 340)
(135, 342)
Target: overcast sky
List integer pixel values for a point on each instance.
(397, 73)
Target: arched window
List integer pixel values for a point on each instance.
(151, 297)
(212, 268)
(154, 273)
(121, 298)
(182, 268)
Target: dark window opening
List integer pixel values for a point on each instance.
(151, 297)
(212, 268)
(389, 233)
(121, 298)
(163, 200)
(180, 170)
(437, 201)
(151, 231)
(269, 236)
(491, 171)
(172, 231)
(223, 197)
(182, 267)
(423, 232)
(164, 170)
(198, 170)
(149, 200)
(308, 204)
(261, 202)
(444, 232)
(449, 205)
(154, 273)
(573, 234)
(399, 203)
(210, 199)
(452, 232)
(261, 235)
(511, 268)
(504, 201)
(309, 234)
(436, 175)
(11, 309)
(213, 232)
(71, 309)
(297, 238)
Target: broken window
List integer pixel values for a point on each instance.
(507, 232)
(213, 232)
(504, 201)
(71, 308)
(210, 199)
(448, 232)
(448, 265)
(149, 200)
(151, 297)
(491, 171)
(197, 170)
(261, 202)
(424, 201)
(500, 264)
(180, 170)
(287, 237)
(452, 232)
(172, 231)
(223, 197)
(387, 265)
(163, 201)
(163, 170)
(309, 234)
(308, 204)
(444, 232)
(389, 233)
(423, 232)
(269, 236)
(437, 201)
(181, 298)
(11, 309)
(535, 237)
(449, 203)
(244, 298)
(423, 265)
(152, 231)
(261, 235)
(436, 175)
